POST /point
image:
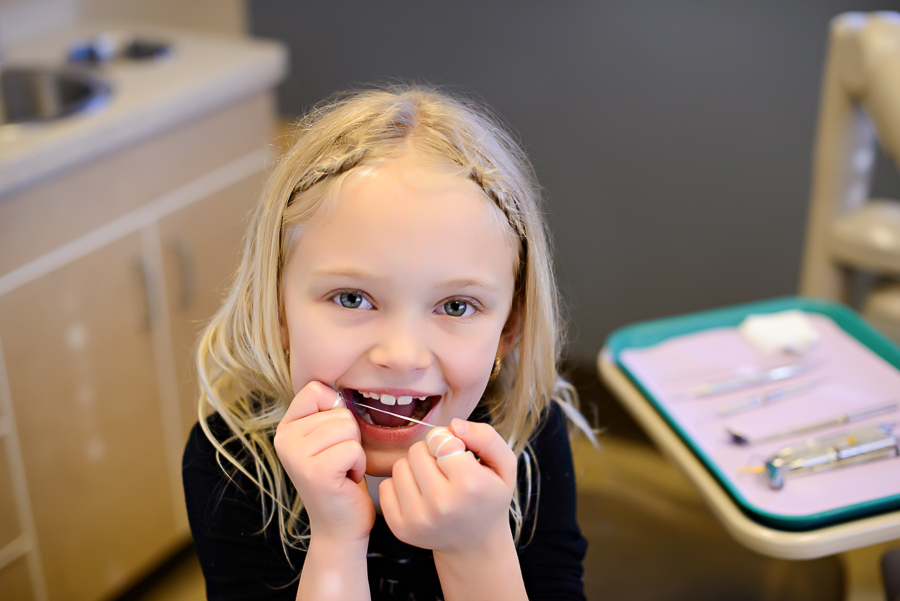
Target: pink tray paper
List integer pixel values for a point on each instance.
(849, 376)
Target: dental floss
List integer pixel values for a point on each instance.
(409, 419)
(443, 442)
(433, 432)
(453, 454)
(449, 435)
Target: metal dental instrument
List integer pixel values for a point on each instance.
(759, 400)
(763, 377)
(409, 419)
(842, 418)
(855, 446)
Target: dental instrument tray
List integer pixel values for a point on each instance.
(754, 418)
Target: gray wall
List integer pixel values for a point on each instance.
(673, 138)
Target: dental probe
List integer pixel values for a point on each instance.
(764, 398)
(409, 419)
(740, 438)
(741, 382)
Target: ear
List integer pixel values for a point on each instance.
(283, 331)
(509, 337)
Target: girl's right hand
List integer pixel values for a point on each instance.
(318, 444)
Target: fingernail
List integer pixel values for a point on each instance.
(460, 426)
(338, 401)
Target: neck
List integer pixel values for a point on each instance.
(372, 483)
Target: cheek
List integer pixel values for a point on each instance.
(468, 370)
(317, 354)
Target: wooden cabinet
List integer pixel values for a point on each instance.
(15, 581)
(97, 327)
(82, 377)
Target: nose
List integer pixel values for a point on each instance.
(401, 347)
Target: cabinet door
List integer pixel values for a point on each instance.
(80, 360)
(10, 528)
(15, 582)
(202, 247)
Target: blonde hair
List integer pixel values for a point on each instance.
(242, 367)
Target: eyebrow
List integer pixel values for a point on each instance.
(342, 273)
(468, 283)
(488, 286)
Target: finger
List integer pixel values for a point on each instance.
(294, 448)
(312, 398)
(458, 466)
(346, 457)
(432, 482)
(390, 504)
(441, 442)
(328, 434)
(311, 423)
(408, 493)
(488, 445)
(339, 401)
(362, 481)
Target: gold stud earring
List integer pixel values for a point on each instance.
(287, 355)
(495, 371)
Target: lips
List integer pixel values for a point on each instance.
(416, 407)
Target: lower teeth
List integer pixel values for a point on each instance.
(362, 410)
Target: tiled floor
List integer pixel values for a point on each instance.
(651, 538)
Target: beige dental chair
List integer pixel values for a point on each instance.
(847, 231)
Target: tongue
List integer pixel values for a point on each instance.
(386, 421)
(389, 421)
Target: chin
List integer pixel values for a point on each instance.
(381, 464)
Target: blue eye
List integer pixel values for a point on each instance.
(457, 308)
(352, 300)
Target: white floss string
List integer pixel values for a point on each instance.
(409, 419)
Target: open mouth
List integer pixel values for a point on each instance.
(402, 406)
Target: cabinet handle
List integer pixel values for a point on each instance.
(187, 274)
(144, 275)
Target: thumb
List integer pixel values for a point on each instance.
(485, 442)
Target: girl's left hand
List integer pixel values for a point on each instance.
(454, 503)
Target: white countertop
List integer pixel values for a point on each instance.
(204, 72)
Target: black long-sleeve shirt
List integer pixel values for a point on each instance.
(241, 562)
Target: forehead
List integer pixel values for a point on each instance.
(404, 211)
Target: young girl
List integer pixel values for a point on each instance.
(398, 262)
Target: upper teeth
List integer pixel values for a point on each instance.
(388, 399)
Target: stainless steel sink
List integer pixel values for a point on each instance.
(29, 94)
